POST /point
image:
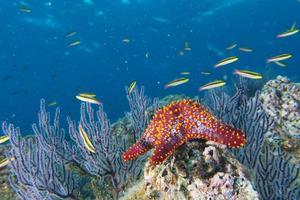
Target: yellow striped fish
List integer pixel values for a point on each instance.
(292, 31)
(187, 46)
(86, 140)
(245, 49)
(231, 46)
(185, 73)
(248, 74)
(131, 87)
(226, 61)
(91, 100)
(87, 94)
(52, 104)
(71, 34)
(211, 85)
(125, 40)
(280, 64)
(3, 139)
(5, 162)
(205, 73)
(73, 44)
(25, 9)
(288, 33)
(280, 57)
(177, 82)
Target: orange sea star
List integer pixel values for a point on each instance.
(178, 122)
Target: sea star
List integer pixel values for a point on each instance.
(178, 122)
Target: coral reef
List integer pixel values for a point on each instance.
(196, 170)
(276, 174)
(47, 165)
(281, 100)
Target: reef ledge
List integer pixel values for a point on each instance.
(196, 170)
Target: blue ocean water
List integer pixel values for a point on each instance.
(35, 61)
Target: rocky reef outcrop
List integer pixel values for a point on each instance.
(197, 170)
(281, 100)
(6, 192)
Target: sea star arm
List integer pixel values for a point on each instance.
(139, 148)
(223, 134)
(163, 149)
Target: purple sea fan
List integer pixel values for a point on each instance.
(139, 103)
(38, 163)
(106, 160)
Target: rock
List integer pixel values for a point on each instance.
(281, 100)
(197, 170)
